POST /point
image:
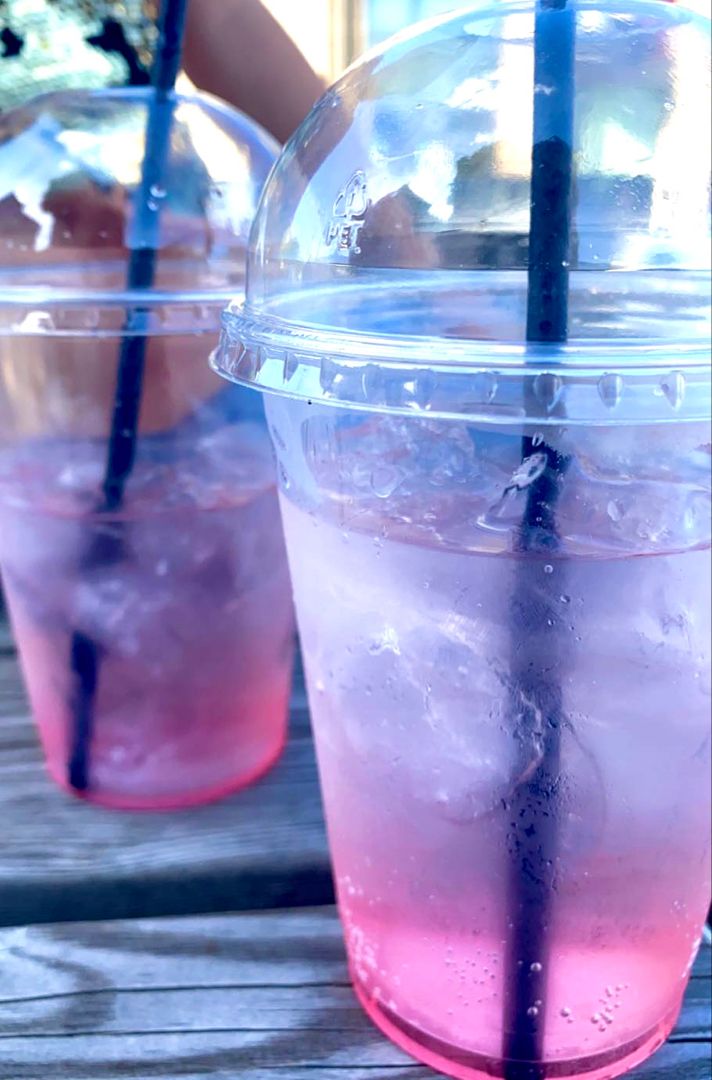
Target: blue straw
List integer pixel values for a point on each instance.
(536, 698)
(85, 654)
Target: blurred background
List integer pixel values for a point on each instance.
(111, 42)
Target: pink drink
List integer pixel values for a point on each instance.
(482, 330)
(404, 579)
(193, 622)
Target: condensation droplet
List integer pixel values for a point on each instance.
(565, 599)
(596, 1018)
(157, 192)
(566, 1012)
(535, 967)
(548, 569)
(532, 1011)
(615, 510)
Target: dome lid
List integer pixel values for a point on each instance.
(397, 225)
(70, 186)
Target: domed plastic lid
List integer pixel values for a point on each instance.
(400, 237)
(70, 188)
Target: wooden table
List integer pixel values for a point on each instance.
(99, 980)
(266, 847)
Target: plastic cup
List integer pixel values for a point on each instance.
(410, 411)
(183, 590)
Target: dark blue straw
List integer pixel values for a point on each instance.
(536, 647)
(85, 654)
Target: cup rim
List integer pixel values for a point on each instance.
(454, 378)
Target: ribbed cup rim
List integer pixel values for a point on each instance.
(596, 381)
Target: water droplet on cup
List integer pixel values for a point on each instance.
(615, 511)
(157, 192)
(566, 1012)
(535, 967)
(532, 1011)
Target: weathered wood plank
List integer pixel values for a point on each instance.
(230, 1056)
(64, 859)
(255, 996)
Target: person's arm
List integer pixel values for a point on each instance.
(236, 50)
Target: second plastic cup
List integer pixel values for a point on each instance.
(181, 593)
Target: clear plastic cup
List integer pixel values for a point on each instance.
(500, 546)
(181, 592)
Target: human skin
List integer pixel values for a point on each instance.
(237, 50)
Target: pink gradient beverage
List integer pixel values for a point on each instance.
(139, 529)
(406, 654)
(193, 619)
(478, 304)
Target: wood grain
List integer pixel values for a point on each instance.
(64, 859)
(255, 996)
